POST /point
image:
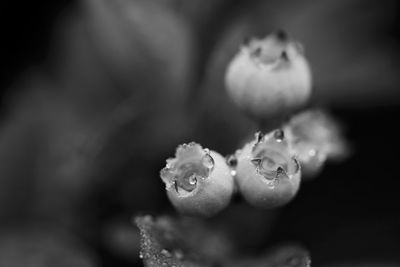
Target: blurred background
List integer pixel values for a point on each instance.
(96, 94)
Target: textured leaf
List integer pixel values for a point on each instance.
(188, 242)
(163, 245)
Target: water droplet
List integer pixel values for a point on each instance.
(232, 160)
(193, 179)
(208, 161)
(165, 253)
(279, 135)
(140, 255)
(233, 172)
(269, 168)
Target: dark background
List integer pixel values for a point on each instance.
(350, 213)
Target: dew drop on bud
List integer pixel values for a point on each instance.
(199, 181)
(279, 135)
(193, 179)
(268, 168)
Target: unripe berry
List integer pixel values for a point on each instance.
(198, 181)
(269, 76)
(267, 174)
(315, 137)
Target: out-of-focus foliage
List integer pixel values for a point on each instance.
(21, 247)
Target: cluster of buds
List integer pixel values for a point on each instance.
(267, 77)
(201, 182)
(267, 171)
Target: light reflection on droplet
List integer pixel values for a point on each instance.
(193, 179)
(279, 135)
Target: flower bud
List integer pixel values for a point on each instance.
(315, 137)
(269, 76)
(198, 181)
(267, 174)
